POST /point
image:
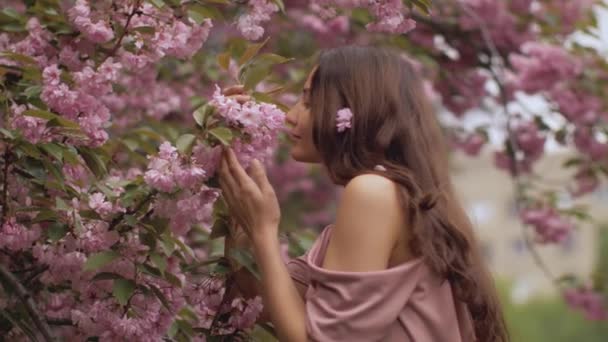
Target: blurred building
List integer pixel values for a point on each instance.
(487, 194)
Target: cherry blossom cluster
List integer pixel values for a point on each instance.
(585, 299)
(261, 123)
(391, 16)
(550, 226)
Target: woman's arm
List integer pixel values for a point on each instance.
(370, 221)
(253, 203)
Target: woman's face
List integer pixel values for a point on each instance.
(300, 134)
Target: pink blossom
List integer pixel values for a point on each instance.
(472, 144)
(33, 129)
(244, 313)
(549, 225)
(98, 203)
(390, 17)
(96, 237)
(591, 303)
(462, 91)
(530, 140)
(208, 158)
(586, 181)
(98, 31)
(577, 106)
(503, 160)
(260, 11)
(542, 66)
(344, 119)
(587, 142)
(15, 236)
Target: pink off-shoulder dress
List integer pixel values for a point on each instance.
(403, 303)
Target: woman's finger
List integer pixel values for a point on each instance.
(241, 98)
(240, 176)
(258, 174)
(227, 182)
(235, 89)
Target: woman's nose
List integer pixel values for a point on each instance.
(292, 117)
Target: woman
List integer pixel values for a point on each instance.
(400, 263)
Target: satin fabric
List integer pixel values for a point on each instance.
(404, 303)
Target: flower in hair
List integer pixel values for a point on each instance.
(344, 119)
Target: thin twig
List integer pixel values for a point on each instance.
(25, 298)
(517, 182)
(7, 156)
(59, 321)
(125, 30)
(116, 221)
(35, 274)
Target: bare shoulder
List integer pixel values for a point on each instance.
(370, 184)
(368, 224)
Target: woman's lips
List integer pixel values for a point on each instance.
(294, 137)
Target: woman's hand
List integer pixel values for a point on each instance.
(237, 92)
(251, 199)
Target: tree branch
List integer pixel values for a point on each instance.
(125, 30)
(517, 182)
(25, 298)
(7, 156)
(59, 321)
(116, 221)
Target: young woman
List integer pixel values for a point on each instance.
(400, 263)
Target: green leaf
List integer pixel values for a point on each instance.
(168, 245)
(223, 134)
(93, 161)
(29, 149)
(54, 150)
(245, 258)
(424, 5)
(122, 290)
(7, 133)
(199, 13)
(253, 75)
(185, 143)
(151, 270)
(159, 294)
(100, 259)
(157, 3)
(173, 279)
(184, 248)
(60, 204)
(271, 59)
(280, 4)
(210, 261)
(202, 114)
(251, 51)
(145, 29)
(160, 261)
(219, 229)
(17, 57)
(106, 276)
(45, 215)
(12, 13)
(44, 114)
(572, 162)
(32, 91)
(223, 60)
(56, 231)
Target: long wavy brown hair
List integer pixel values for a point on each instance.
(394, 125)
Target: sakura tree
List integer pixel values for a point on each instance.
(114, 118)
